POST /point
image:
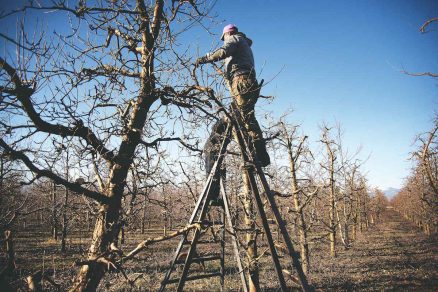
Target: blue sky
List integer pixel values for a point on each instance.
(340, 61)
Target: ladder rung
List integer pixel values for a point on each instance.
(197, 277)
(271, 221)
(212, 223)
(201, 259)
(216, 223)
(209, 223)
(201, 242)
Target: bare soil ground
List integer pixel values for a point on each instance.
(392, 255)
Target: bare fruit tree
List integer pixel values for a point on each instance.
(298, 154)
(418, 199)
(331, 167)
(106, 88)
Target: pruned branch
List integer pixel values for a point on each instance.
(423, 27)
(420, 74)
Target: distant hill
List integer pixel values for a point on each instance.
(391, 192)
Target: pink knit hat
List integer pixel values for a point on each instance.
(228, 28)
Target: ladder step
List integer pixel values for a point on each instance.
(201, 259)
(208, 224)
(188, 242)
(197, 277)
(212, 223)
(216, 223)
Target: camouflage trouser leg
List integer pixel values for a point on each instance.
(245, 91)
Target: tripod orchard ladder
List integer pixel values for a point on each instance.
(202, 208)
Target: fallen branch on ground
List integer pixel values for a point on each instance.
(294, 279)
(141, 246)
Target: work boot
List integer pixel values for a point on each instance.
(261, 152)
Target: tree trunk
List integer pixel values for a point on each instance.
(332, 224)
(9, 265)
(143, 217)
(54, 218)
(41, 216)
(354, 231)
(64, 208)
(302, 226)
(251, 236)
(64, 222)
(427, 229)
(342, 228)
(108, 225)
(347, 233)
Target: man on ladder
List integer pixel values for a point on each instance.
(240, 74)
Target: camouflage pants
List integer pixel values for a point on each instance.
(245, 91)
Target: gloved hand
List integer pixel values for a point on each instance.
(201, 60)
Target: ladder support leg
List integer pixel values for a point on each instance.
(292, 253)
(223, 251)
(202, 201)
(243, 146)
(267, 230)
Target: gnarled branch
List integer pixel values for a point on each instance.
(77, 188)
(24, 92)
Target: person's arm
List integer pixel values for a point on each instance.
(223, 52)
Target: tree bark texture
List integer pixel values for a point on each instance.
(108, 225)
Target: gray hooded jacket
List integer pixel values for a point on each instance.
(238, 56)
